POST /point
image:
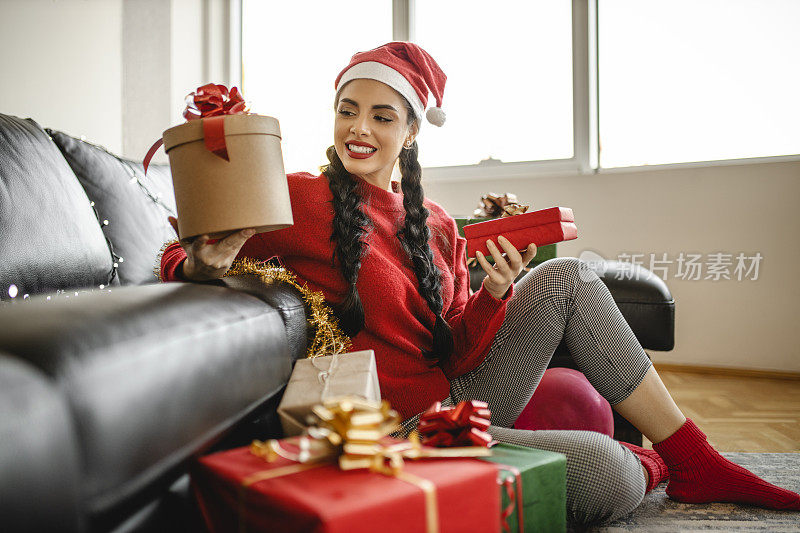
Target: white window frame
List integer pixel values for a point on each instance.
(584, 104)
(585, 110)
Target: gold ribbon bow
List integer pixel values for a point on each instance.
(352, 431)
(493, 205)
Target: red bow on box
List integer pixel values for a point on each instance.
(462, 425)
(210, 102)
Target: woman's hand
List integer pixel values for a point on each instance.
(210, 261)
(500, 276)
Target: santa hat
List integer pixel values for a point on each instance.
(406, 68)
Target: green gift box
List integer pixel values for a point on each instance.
(543, 253)
(544, 487)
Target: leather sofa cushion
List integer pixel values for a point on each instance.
(49, 236)
(152, 375)
(38, 453)
(136, 206)
(644, 300)
(642, 297)
(286, 299)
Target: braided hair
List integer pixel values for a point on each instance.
(351, 224)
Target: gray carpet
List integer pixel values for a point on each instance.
(659, 514)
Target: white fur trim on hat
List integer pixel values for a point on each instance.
(378, 71)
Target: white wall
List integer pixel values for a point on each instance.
(733, 208)
(170, 47)
(62, 66)
(187, 58)
(147, 72)
(115, 72)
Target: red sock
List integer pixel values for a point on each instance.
(652, 462)
(699, 474)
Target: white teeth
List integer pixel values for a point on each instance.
(360, 149)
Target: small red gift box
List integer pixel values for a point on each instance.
(238, 491)
(546, 226)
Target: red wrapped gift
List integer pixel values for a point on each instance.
(238, 491)
(542, 227)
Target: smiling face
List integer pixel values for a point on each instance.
(370, 129)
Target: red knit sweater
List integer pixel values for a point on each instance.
(396, 315)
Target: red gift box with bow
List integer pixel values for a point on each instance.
(542, 227)
(238, 491)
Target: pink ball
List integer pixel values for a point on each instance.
(565, 399)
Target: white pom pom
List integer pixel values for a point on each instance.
(436, 116)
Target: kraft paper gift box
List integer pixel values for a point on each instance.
(319, 378)
(542, 227)
(237, 491)
(216, 196)
(542, 492)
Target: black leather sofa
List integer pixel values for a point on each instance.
(110, 382)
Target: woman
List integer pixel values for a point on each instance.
(393, 268)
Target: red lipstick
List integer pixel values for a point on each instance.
(357, 155)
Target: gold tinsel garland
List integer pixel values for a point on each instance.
(328, 338)
(157, 262)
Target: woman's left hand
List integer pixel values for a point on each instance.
(502, 274)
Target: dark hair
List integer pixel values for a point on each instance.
(351, 224)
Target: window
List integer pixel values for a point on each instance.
(545, 86)
(688, 80)
(291, 54)
(509, 80)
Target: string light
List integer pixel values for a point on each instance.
(114, 256)
(137, 176)
(13, 292)
(155, 197)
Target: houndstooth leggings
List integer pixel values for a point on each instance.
(562, 297)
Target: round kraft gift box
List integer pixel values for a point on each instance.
(218, 197)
